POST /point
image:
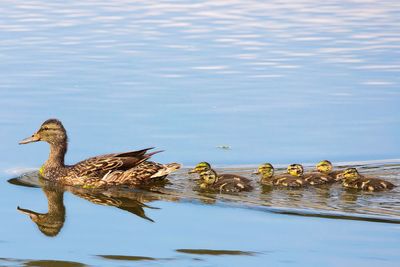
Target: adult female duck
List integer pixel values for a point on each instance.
(128, 168)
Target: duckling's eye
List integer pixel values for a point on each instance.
(45, 128)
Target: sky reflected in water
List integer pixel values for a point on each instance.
(278, 81)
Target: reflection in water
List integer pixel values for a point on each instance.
(41, 263)
(127, 258)
(324, 201)
(50, 223)
(216, 252)
(53, 263)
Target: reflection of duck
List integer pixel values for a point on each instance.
(50, 223)
(293, 178)
(353, 180)
(210, 180)
(129, 168)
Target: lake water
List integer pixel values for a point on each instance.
(276, 81)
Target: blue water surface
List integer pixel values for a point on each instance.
(278, 81)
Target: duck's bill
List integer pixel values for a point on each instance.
(27, 212)
(30, 139)
(192, 171)
(255, 172)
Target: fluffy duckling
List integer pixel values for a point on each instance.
(352, 179)
(224, 183)
(293, 178)
(326, 167)
(321, 175)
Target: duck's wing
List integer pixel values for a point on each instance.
(101, 165)
(141, 174)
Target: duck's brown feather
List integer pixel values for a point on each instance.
(101, 165)
(288, 180)
(317, 178)
(369, 184)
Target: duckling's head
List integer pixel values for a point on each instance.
(295, 170)
(208, 177)
(266, 170)
(201, 167)
(324, 166)
(349, 174)
(51, 131)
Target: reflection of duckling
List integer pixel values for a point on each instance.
(326, 168)
(210, 180)
(129, 168)
(352, 179)
(293, 177)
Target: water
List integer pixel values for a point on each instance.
(283, 81)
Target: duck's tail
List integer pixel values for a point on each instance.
(167, 169)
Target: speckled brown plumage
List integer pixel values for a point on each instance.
(127, 168)
(288, 180)
(352, 179)
(368, 184)
(231, 183)
(293, 178)
(318, 178)
(223, 183)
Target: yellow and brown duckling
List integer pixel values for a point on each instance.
(322, 175)
(293, 178)
(127, 168)
(352, 179)
(325, 167)
(210, 180)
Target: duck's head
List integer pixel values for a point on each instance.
(349, 174)
(51, 131)
(295, 170)
(266, 170)
(48, 224)
(208, 178)
(201, 167)
(324, 166)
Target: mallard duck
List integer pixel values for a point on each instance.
(128, 168)
(352, 179)
(210, 180)
(293, 177)
(326, 167)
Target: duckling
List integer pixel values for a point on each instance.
(326, 167)
(352, 179)
(322, 175)
(293, 178)
(127, 168)
(224, 183)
